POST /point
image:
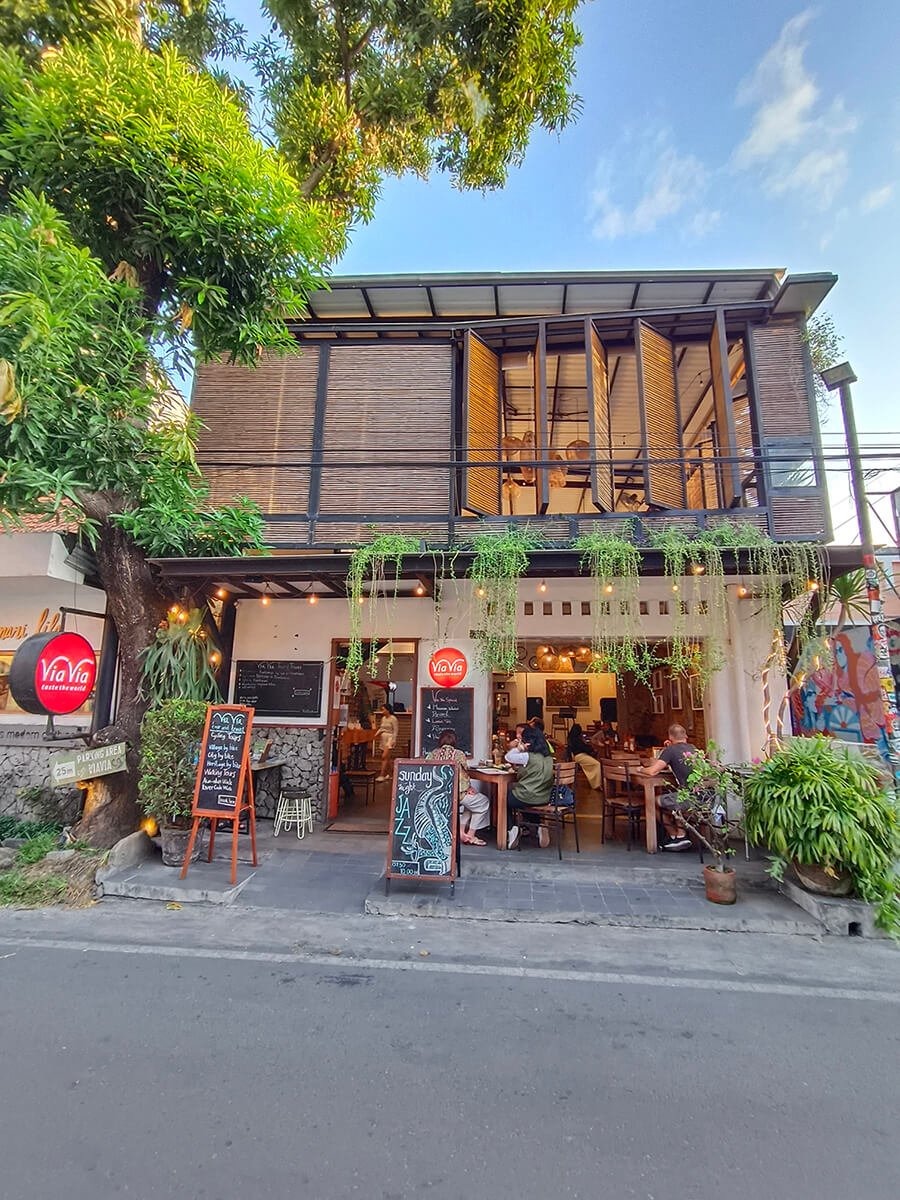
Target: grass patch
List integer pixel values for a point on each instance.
(36, 848)
(12, 827)
(24, 890)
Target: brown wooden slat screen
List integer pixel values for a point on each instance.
(660, 418)
(598, 419)
(541, 434)
(481, 485)
(779, 365)
(387, 403)
(799, 518)
(263, 416)
(729, 475)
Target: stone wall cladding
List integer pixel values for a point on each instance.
(25, 764)
(304, 752)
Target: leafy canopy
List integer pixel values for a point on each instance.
(82, 428)
(360, 90)
(158, 173)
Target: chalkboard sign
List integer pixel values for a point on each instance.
(446, 708)
(280, 688)
(422, 841)
(224, 760)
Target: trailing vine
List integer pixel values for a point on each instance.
(613, 562)
(369, 564)
(500, 560)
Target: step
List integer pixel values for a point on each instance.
(206, 883)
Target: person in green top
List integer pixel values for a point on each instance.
(534, 782)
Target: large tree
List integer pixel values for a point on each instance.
(126, 157)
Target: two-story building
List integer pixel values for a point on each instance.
(447, 405)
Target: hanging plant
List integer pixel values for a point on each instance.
(176, 664)
(500, 560)
(613, 562)
(370, 565)
(681, 553)
(443, 572)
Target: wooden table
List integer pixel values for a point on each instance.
(627, 772)
(500, 780)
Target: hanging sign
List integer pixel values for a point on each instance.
(447, 667)
(53, 673)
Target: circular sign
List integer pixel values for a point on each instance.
(53, 673)
(447, 667)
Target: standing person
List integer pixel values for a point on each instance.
(388, 732)
(534, 783)
(676, 755)
(474, 807)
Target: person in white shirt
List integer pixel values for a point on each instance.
(388, 732)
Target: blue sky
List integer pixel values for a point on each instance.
(713, 134)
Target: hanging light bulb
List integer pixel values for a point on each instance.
(480, 592)
(265, 598)
(813, 585)
(542, 586)
(173, 611)
(312, 598)
(214, 658)
(221, 593)
(361, 600)
(182, 616)
(674, 587)
(697, 568)
(608, 589)
(743, 592)
(420, 591)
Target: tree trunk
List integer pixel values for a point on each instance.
(136, 606)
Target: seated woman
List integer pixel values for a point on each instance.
(474, 807)
(534, 783)
(582, 752)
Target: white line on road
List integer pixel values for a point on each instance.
(498, 970)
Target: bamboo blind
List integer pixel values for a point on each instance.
(779, 362)
(729, 477)
(598, 420)
(541, 434)
(263, 416)
(387, 404)
(663, 481)
(481, 485)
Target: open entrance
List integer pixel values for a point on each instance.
(362, 731)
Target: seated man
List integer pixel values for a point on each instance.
(676, 755)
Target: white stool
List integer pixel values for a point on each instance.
(293, 809)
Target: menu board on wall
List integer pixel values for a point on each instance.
(279, 688)
(446, 708)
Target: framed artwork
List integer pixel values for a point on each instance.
(656, 681)
(568, 693)
(658, 705)
(675, 696)
(501, 704)
(695, 687)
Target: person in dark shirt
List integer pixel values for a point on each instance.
(578, 744)
(676, 755)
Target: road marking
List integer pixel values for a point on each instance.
(497, 970)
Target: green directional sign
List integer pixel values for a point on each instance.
(73, 766)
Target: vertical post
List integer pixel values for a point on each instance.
(106, 679)
(880, 643)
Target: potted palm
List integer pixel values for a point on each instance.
(170, 737)
(705, 814)
(828, 812)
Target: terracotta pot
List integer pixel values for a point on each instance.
(174, 844)
(721, 886)
(818, 881)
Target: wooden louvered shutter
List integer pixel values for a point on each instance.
(541, 434)
(388, 408)
(660, 418)
(262, 416)
(598, 419)
(481, 490)
(729, 473)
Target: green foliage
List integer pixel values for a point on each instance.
(358, 91)
(176, 664)
(500, 560)
(825, 345)
(820, 803)
(613, 562)
(158, 173)
(709, 786)
(36, 848)
(170, 735)
(850, 594)
(368, 566)
(83, 431)
(20, 890)
(13, 827)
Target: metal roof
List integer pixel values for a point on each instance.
(476, 296)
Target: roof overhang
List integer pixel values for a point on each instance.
(801, 295)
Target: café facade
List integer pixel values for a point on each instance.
(446, 407)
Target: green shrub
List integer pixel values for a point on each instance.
(36, 848)
(169, 737)
(818, 802)
(13, 827)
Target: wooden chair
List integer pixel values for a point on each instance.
(555, 813)
(626, 804)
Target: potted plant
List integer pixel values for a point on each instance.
(705, 796)
(829, 812)
(170, 735)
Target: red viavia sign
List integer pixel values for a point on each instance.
(447, 667)
(53, 673)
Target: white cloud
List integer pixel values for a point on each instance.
(876, 199)
(795, 139)
(662, 183)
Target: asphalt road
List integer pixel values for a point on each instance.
(212, 1068)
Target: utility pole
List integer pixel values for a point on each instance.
(839, 379)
